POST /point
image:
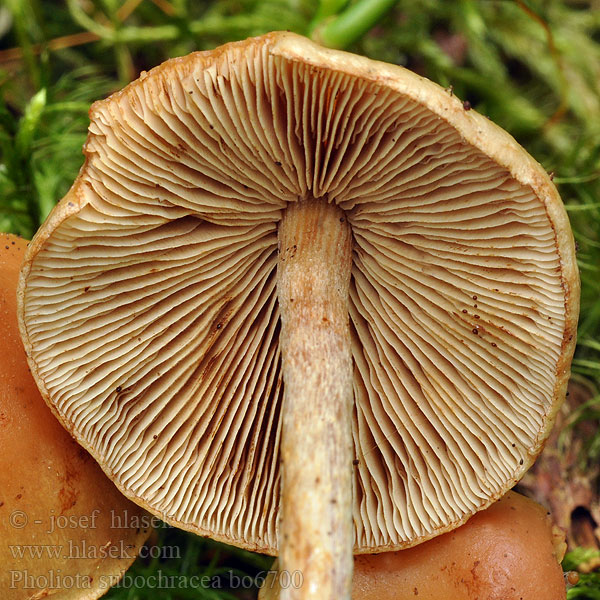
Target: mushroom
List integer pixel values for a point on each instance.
(510, 550)
(287, 265)
(65, 529)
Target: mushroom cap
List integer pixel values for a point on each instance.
(148, 302)
(511, 550)
(65, 529)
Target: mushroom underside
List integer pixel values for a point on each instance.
(151, 315)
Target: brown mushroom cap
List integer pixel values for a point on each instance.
(149, 307)
(510, 551)
(65, 529)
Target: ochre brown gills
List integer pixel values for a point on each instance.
(303, 302)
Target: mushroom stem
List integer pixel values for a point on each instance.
(315, 528)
